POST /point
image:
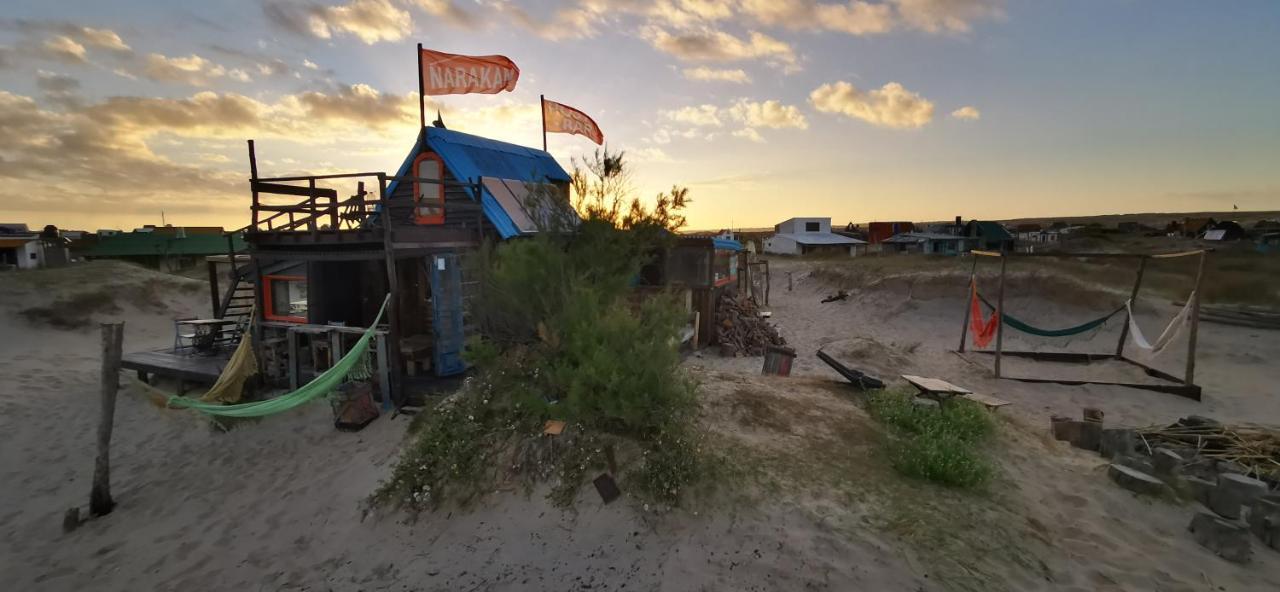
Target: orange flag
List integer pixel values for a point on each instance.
(452, 74)
(567, 120)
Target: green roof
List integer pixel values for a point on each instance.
(992, 230)
(136, 244)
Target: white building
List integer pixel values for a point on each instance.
(803, 236)
(22, 249)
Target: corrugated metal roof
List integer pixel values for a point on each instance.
(919, 237)
(134, 244)
(992, 230)
(727, 244)
(820, 238)
(470, 157)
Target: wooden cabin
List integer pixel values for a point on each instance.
(319, 267)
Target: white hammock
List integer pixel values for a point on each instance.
(1170, 332)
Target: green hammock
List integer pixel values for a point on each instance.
(1014, 323)
(323, 384)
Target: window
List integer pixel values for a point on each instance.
(33, 256)
(812, 227)
(428, 198)
(285, 297)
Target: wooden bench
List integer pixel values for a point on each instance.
(940, 390)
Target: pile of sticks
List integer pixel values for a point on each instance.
(740, 330)
(1256, 448)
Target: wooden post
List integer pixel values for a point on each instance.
(422, 107)
(1195, 322)
(768, 283)
(1004, 258)
(215, 297)
(100, 502)
(964, 327)
(789, 284)
(1133, 297)
(253, 183)
(542, 110)
(393, 288)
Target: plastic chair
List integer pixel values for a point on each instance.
(183, 340)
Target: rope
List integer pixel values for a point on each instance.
(1014, 323)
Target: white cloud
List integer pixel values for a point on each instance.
(955, 16)
(889, 106)
(705, 74)
(714, 45)
(749, 133)
(371, 21)
(63, 48)
(310, 65)
(770, 114)
(968, 112)
(700, 115)
(192, 70)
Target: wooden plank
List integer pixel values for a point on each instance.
(989, 401)
(934, 385)
(199, 369)
(281, 189)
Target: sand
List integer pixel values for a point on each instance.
(279, 504)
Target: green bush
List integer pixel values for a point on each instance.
(941, 445)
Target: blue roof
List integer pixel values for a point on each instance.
(726, 244)
(470, 157)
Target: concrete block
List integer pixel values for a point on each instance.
(1136, 481)
(1167, 464)
(1197, 488)
(1227, 540)
(1092, 414)
(1204, 468)
(1264, 520)
(1227, 466)
(1233, 492)
(1138, 462)
(1117, 442)
(1089, 436)
(1064, 428)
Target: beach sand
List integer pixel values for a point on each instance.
(279, 504)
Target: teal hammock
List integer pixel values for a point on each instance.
(1014, 323)
(323, 384)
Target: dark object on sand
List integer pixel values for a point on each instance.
(607, 488)
(71, 520)
(857, 378)
(353, 407)
(841, 295)
(777, 360)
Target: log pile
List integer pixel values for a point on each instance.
(740, 330)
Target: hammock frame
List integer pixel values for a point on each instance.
(1183, 386)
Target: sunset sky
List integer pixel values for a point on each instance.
(111, 112)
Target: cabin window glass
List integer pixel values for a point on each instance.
(428, 198)
(724, 267)
(286, 298)
(812, 227)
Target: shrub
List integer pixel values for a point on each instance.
(940, 445)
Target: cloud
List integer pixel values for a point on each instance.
(192, 70)
(52, 82)
(449, 11)
(310, 65)
(705, 74)
(890, 106)
(571, 22)
(714, 45)
(749, 133)
(371, 21)
(955, 16)
(64, 49)
(855, 17)
(103, 39)
(700, 115)
(771, 114)
(357, 102)
(968, 112)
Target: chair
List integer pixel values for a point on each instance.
(183, 340)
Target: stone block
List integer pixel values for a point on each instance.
(1227, 540)
(1233, 492)
(1136, 481)
(1204, 468)
(1167, 464)
(1197, 488)
(1137, 462)
(1117, 442)
(1064, 428)
(1089, 436)
(1092, 414)
(1264, 520)
(1227, 466)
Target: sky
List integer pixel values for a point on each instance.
(112, 113)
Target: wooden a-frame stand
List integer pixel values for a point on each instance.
(1184, 387)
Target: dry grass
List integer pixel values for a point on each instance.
(82, 292)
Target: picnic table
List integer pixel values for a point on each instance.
(940, 390)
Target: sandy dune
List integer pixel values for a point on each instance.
(279, 504)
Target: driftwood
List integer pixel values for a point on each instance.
(100, 502)
(855, 377)
(1255, 448)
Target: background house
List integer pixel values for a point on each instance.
(929, 243)
(879, 231)
(990, 236)
(21, 248)
(804, 236)
(166, 248)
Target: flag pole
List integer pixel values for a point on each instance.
(422, 113)
(542, 106)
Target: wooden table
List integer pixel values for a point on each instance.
(941, 390)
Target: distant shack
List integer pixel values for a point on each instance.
(166, 248)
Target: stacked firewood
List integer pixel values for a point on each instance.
(1255, 448)
(740, 330)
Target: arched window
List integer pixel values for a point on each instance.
(428, 198)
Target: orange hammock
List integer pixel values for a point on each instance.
(982, 331)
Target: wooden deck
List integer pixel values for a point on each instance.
(197, 369)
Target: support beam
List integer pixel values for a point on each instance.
(1000, 316)
(1195, 322)
(964, 327)
(393, 288)
(1133, 298)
